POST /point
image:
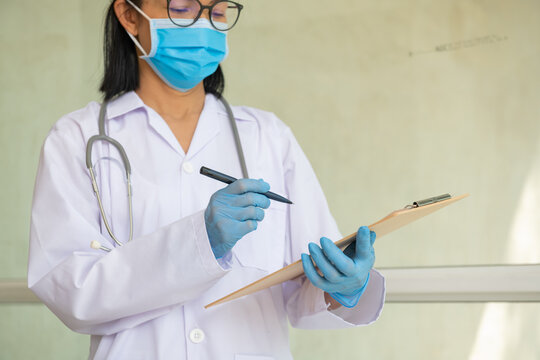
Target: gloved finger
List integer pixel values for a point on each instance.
(341, 261)
(251, 199)
(245, 227)
(363, 243)
(329, 271)
(373, 236)
(246, 213)
(242, 186)
(312, 274)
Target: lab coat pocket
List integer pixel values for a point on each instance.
(264, 248)
(252, 357)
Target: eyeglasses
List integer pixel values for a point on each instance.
(223, 14)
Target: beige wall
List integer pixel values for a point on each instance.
(382, 127)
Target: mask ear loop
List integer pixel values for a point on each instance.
(137, 43)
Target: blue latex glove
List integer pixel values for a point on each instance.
(233, 212)
(345, 273)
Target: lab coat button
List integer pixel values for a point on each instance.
(188, 167)
(196, 336)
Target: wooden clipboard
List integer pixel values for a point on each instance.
(386, 225)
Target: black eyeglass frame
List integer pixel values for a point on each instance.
(210, 8)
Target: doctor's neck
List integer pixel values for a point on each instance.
(171, 104)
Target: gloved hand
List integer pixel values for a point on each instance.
(233, 212)
(346, 273)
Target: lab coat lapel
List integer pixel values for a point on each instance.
(129, 102)
(207, 127)
(162, 129)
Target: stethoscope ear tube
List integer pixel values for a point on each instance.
(116, 144)
(102, 136)
(236, 135)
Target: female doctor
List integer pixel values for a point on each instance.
(170, 241)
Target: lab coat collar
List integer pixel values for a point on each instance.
(239, 113)
(124, 104)
(131, 101)
(208, 125)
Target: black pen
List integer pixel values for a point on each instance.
(229, 180)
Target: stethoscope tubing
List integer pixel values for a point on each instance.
(103, 137)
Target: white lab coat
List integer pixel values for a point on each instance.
(145, 300)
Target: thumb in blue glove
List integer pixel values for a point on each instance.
(345, 273)
(233, 212)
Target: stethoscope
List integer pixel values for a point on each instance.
(102, 136)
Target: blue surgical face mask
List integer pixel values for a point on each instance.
(183, 57)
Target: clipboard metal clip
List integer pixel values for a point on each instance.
(431, 200)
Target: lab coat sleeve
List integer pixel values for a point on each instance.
(100, 293)
(309, 220)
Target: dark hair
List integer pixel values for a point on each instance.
(121, 65)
